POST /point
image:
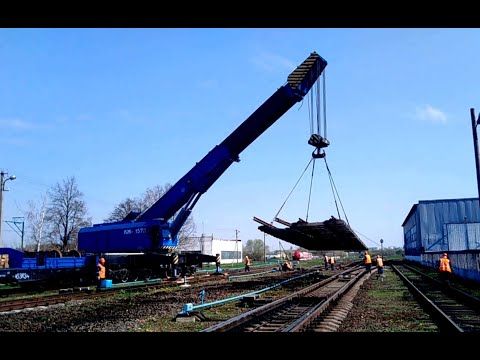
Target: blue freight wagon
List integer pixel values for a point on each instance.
(46, 268)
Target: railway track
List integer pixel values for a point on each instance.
(49, 300)
(453, 310)
(40, 289)
(318, 307)
(71, 294)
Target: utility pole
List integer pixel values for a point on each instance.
(2, 189)
(264, 250)
(20, 231)
(381, 247)
(236, 243)
(475, 122)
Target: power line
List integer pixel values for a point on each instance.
(366, 237)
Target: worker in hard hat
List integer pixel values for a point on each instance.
(379, 262)
(444, 268)
(287, 266)
(247, 263)
(367, 260)
(101, 271)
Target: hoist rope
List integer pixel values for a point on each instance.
(281, 207)
(310, 112)
(318, 105)
(334, 190)
(310, 191)
(317, 108)
(324, 106)
(358, 232)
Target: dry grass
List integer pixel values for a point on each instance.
(386, 306)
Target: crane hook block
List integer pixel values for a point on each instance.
(318, 141)
(316, 154)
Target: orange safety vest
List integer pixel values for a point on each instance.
(445, 265)
(101, 271)
(379, 262)
(368, 259)
(332, 260)
(247, 262)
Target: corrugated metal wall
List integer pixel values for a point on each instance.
(411, 235)
(463, 236)
(441, 223)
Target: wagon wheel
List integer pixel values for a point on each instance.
(74, 253)
(55, 253)
(148, 274)
(123, 275)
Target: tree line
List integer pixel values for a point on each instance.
(53, 221)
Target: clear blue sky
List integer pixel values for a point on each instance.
(123, 110)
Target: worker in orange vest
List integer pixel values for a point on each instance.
(101, 271)
(332, 262)
(287, 266)
(247, 263)
(379, 267)
(367, 260)
(444, 268)
(327, 261)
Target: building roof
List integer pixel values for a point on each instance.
(412, 210)
(414, 207)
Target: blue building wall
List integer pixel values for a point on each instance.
(464, 264)
(452, 225)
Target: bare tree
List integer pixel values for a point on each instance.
(36, 216)
(185, 234)
(67, 213)
(150, 197)
(123, 209)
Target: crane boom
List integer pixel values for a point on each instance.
(213, 165)
(152, 229)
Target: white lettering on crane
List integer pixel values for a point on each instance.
(141, 230)
(21, 276)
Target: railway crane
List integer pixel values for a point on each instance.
(144, 244)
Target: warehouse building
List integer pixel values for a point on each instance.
(433, 227)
